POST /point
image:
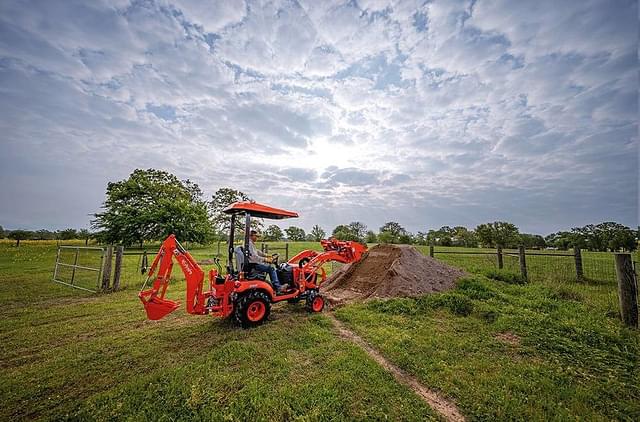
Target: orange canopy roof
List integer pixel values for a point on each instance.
(258, 210)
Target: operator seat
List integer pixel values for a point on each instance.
(252, 273)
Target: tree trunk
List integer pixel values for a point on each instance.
(17, 243)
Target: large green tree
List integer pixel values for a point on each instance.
(317, 234)
(85, 235)
(464, 237)
(150, 205)
(443, 236)
(358, 230)
(273, 233)
(498, 233)
(67, 234)
(564, 240)
(44, 234)
(221, 221)
(19, 235)
(532, 241)
(421, 238)
(295, 234)
(605, 236)
(341, 232)
(353, 231)
(371, 237)
(393, 232)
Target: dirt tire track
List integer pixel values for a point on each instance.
(448, 410)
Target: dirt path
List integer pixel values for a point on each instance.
(445, 408)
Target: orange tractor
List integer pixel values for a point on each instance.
(243, 293)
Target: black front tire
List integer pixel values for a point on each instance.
(315, 302)
(246, 309)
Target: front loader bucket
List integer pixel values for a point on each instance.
(157, 308)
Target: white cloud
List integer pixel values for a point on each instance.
(442, 112)
(213, 16)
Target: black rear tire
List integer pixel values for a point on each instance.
(252, 309)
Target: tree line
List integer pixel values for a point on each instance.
(44, 234)
(151, 204)
(607, 236)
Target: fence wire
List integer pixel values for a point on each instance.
(557, 270)
(78, 266)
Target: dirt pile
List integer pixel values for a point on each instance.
(390, 271)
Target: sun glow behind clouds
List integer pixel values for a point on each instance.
(324, 153)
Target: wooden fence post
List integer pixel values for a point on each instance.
(144, 265)
(627, 290)
(106, 271)
(431, 251)
(523, 262)
(286, 251)
(500, 260)
(118, 268)
(577, 253)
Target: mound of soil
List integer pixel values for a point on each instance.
(390, 271)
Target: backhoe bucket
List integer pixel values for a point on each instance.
(157, 308)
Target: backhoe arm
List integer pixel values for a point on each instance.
(153, 299)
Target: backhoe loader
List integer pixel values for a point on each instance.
(243, 294)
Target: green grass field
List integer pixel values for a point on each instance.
(68, 354)
(547, 350)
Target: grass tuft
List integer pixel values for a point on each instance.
(505, 276)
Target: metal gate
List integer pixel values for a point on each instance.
(76, 267)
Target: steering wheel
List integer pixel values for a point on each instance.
(275, 258)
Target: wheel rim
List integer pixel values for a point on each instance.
(317, 304)
(256, 311)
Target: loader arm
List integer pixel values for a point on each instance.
(153, 299)
(310, 262)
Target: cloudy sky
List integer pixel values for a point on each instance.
(423, 112)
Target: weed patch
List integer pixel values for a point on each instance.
(475, 288)
(564, 293)
(505, 276)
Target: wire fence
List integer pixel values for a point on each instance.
(79, 267)
(556, 269)
(136, 262)
(559, 270)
